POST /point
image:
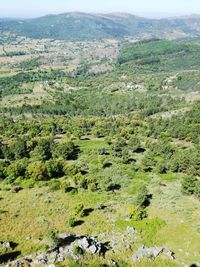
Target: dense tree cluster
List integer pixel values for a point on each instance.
(184, 126)
(44, 149)
(39, 158)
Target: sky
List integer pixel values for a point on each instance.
(148, 8)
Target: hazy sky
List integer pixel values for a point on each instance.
(33, 8)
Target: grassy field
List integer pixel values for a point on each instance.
(173, 221)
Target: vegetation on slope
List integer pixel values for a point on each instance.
(112, 155)
(81, 26)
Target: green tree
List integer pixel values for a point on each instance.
(17, 169)
(118, 146)
(189, 184)
(54, 168)
(43, 150)
(134, 143)
(3, 165)
(65, 150)
(37, 171)
(19, 148)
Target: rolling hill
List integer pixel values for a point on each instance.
(83, 26)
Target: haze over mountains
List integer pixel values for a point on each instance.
(83, 26)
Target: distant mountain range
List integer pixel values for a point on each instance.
(83, 26)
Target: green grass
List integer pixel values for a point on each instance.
(173, 218)
(180, 213)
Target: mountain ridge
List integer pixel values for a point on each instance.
(87, 26)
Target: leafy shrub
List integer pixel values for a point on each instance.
(117, 146)
(78, 251)
(72, 222)
(17, 169)
(52, 239)
(3, 165)
(93, 187)
(79, 210)
(134, 143)
(43, 150)
(137, 213)
(80, 181)
(66, 150)
(16, 150)
(191, 186)
(70, 169)
(37, 171)
(54, 168)
(142, 197)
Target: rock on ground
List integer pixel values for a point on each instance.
(66, 248)
(151, 253)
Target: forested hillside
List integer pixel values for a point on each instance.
(83, 26)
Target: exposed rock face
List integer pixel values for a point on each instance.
(151, 253)
(66, 248)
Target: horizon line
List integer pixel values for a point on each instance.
(150, 15)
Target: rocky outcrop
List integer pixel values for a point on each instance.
(151, 253)
(66, 247)
(75, 246)
(90, 245)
